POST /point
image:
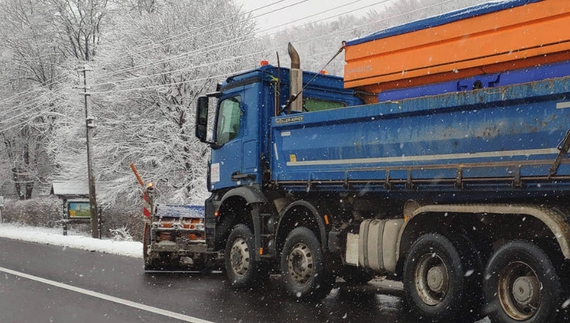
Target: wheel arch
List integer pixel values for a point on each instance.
(301, 213)
(420, 219)
(232, 211)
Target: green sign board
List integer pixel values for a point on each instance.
(78, 209)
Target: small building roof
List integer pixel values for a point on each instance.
(70, 189)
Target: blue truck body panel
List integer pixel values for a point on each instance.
(502, 139)
(511, 77)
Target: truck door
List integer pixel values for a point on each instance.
(226, 159)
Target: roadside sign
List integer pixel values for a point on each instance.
(78, 209)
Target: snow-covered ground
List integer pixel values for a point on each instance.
(54, 236)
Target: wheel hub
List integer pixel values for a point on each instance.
(436, 278)
(519, 291)
(525, 289)
(300, 263)
(239, 257)
(432, 279)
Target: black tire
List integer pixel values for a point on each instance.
(521, 285)
(441, 280)
(303, 270)
(473, 273)
(241, 267)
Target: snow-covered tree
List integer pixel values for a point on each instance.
(150, 67)
(30, 60)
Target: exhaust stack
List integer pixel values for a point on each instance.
(296, 81)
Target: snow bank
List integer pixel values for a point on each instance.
(54, 236)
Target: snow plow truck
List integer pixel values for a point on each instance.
(439, 160)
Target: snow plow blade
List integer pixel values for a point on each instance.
(174, 235)
(176, 240)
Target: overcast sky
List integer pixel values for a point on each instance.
(272, 14)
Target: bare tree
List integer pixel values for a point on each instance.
(81, 22)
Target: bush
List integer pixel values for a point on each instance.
(38, 212)
(124, 221)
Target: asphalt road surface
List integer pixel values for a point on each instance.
(40, 283)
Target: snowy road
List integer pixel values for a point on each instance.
(51, 283)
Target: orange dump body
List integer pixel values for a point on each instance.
(529, 33)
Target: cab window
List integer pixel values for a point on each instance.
(311, 104)
(228, 120)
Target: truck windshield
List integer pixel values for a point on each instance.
(228, 120)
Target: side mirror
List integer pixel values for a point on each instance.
(202, 118)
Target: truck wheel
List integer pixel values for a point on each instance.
(302, 266)
(438, 279)
(521, 284)
(241, 267)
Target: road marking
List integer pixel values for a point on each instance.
(117, 300)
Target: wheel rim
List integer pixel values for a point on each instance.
(432, 279)
(300, 264)
(519, 291)
(239, 257)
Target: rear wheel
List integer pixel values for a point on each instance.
(242, 269)
(439, 280)
(303, 270)
(521, 285)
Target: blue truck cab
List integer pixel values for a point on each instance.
(241, 144)
(246, 104)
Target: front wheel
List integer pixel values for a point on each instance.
(521, 285)
(242, 269)
(302, 266)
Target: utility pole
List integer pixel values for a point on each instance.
(1, 207)
(90, 125)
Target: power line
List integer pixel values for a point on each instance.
(232, 42)
(208, 27)
(173, 37)
(228, 43)
(54, 82)
(22, 105)
(218, 26)
(208, 64)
